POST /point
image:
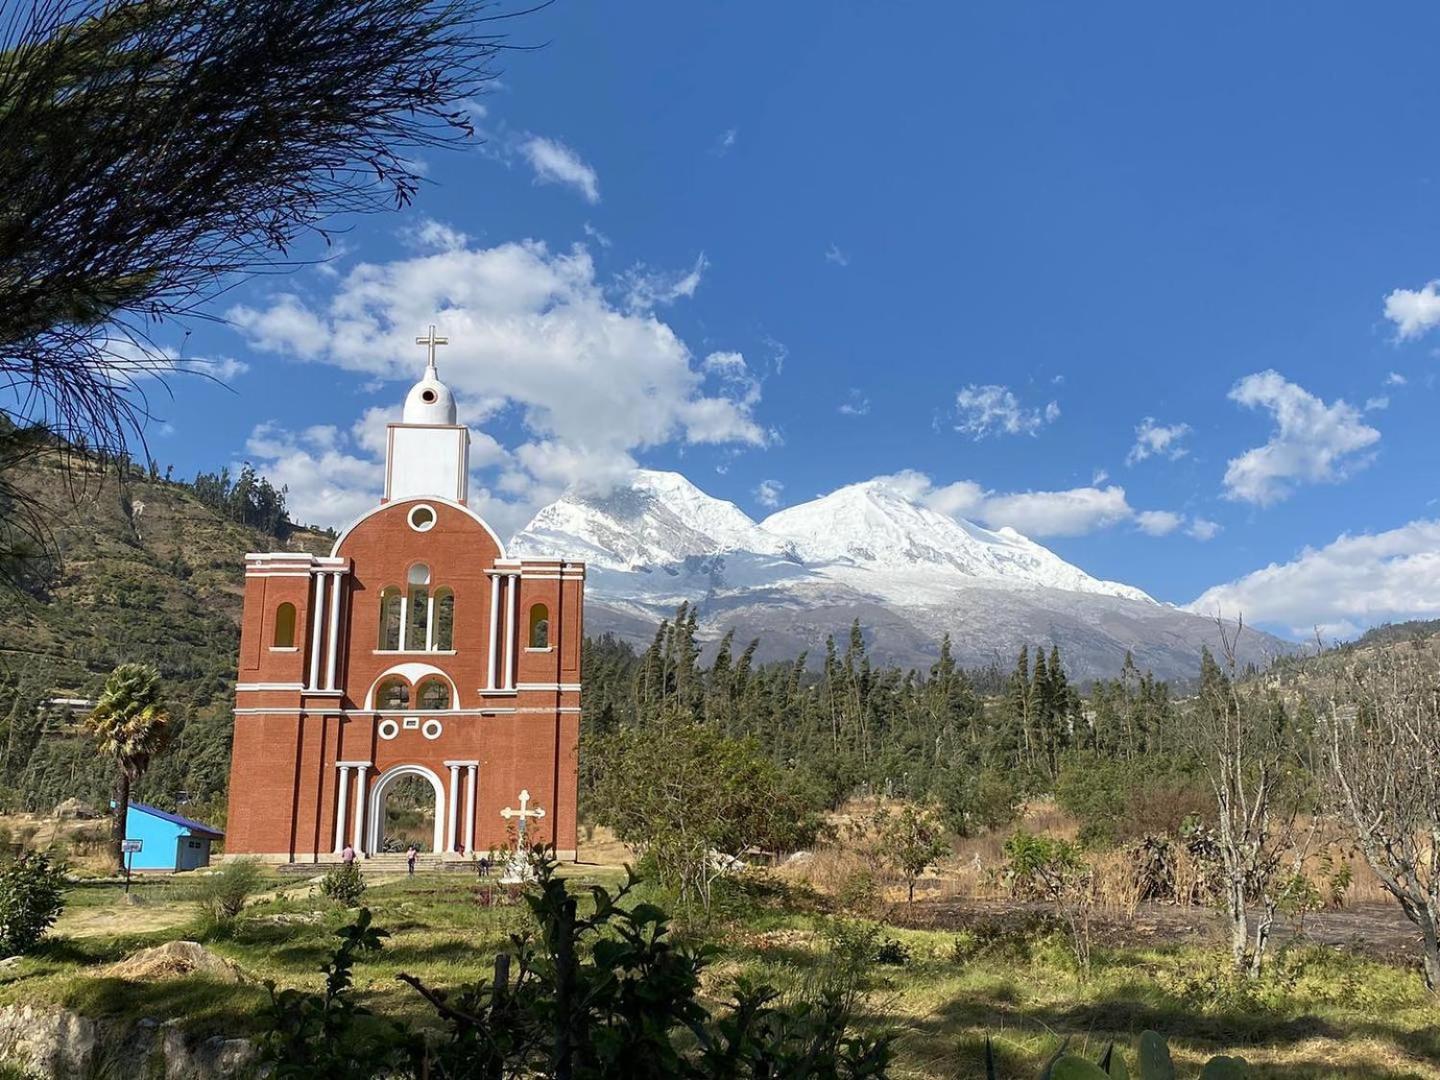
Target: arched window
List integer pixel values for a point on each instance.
(433, 693)
(393, 693)
(284, 627)
(417, 619)
(443, 632)
(539, 627)
(390, 600)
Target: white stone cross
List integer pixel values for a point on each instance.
(522, 814)
(431, 340)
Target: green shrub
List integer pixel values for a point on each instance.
(222, 894)
(1116, 800)
(32, 895)
(344, 884)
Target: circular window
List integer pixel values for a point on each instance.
(427, 396)
(431, 729)
(422, 518)
(389, 729)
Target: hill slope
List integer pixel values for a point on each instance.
(146, 572)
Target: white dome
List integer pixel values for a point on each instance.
(429, 401)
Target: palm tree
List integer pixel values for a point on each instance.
(130, 724)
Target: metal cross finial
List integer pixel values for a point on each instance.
(522, 814)
(431, 340)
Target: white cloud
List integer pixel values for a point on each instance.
(1414, 311)
(995, 410)
(724, 142)
(1312, 442)
(224, 368)
(767, 494)
(1203, 529)
(596, 235)
(645, 289)
(1058, 513)
(1072, 512)
(834, 255)
(1098, 477)
(1157, 440)
(1158, 522)
(533, 330)
(856, 405)
(1353, 582)
(1395, 379)
(556, 163)
(1377, 403)
(435, 235)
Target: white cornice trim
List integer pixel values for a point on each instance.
(270, 686)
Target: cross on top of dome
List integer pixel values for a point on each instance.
(431, 341)
(430, 400)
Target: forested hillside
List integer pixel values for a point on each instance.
(143, 569)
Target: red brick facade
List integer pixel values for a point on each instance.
(481, 697)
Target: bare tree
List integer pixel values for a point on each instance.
(1245, 742)
(1382, 745)
(153, 150)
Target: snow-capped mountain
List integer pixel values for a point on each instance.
(909, 573)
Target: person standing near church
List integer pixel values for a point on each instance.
(347, 856)
(410, 855)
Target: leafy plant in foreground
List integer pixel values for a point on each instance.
(31, 898)
(590, 996)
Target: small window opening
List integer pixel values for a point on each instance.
(433, 694)
(389, 619)
(539, 627)
(284, 627)
(427, 396)
(393, 693)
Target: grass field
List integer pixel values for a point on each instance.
(1320, 1012)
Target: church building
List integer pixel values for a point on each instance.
(416, 648)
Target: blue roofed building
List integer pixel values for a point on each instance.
(169, 842)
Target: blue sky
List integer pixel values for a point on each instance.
(985, 243)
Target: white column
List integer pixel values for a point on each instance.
(512, 597)
(317, 615)
(494, 629)
(360, 792)
(341, 805)
(452, 807)
(334, 633)
(404, 615)
(429, 622)
(470, 809)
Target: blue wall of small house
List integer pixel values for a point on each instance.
(165, 845)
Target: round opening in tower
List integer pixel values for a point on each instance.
(422, 518)
(427, 396)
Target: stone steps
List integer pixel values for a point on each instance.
(386, 863)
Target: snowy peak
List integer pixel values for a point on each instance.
(871, 537)
(657, 519)
(877, 526)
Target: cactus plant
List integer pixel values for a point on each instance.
(1152, 1062)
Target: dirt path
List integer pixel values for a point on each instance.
(1379, 931)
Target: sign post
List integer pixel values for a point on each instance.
(129, 848)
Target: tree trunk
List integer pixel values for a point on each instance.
(1430, 949)
(1239, 926)
(117, 820)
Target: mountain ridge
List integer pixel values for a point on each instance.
(908, 572)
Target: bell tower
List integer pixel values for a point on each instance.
(427, 454)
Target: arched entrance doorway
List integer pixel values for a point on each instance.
(388, 782)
